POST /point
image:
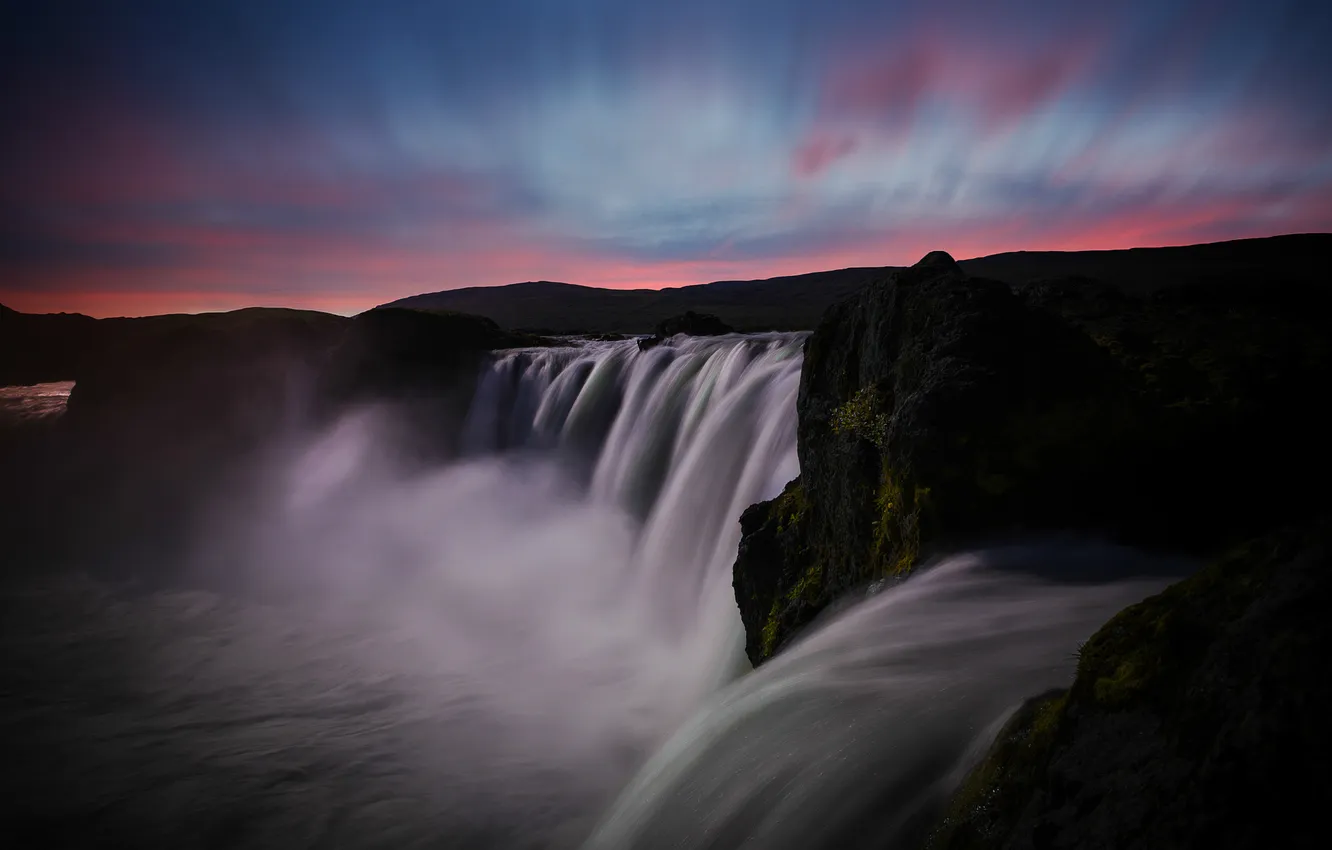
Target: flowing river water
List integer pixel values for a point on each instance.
(535, 645)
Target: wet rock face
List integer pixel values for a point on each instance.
(936, 409)
(920, 401)
(1198, 718)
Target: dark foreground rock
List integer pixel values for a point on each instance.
(1198, 718)
(38, 349)
(933, 406)
(937, 408)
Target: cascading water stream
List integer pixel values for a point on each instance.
(487, 653)
(683, 437)
(855, 736)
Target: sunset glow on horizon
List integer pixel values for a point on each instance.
(165, 157)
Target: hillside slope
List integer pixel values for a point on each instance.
(782, 303)
(797, 302)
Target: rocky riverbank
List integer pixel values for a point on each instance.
(938, 410)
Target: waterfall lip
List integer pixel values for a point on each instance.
(578, 343)
(558, 376)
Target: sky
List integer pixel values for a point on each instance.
(165, 156)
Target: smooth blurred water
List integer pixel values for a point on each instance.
(490, 652)
(855, 735)
(479, 654)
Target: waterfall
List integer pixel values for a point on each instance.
(535, 645)
(559, 597)
(855, 736)
(683, 437)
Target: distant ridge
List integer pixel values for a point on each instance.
(1300, 258)
(796, 302)
(780, 303)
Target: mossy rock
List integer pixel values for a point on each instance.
(1197, 719)
(938, 409)
(911, 396)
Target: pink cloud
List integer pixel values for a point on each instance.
(344, 264)
(818, 153)
(884, 86)
(999, 84)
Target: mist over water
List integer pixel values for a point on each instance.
(478, 654)
(490, 652)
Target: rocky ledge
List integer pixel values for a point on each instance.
(1198, 718)
(937, 409)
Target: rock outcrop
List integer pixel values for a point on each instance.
(688, 323)
(40, 348)
(937, 408)
(931, 407)
(693, 324)
(1198, 718)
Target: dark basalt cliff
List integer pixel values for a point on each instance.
(911, 398)
(938, 409)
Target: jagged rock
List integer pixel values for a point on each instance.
(932, 406)
(1198, 718)
(936, 409)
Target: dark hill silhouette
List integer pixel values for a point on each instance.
(780, 303)
(797, 302)
(1294, 259)
(46, 347)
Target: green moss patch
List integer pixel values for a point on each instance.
(896, 543)
(862, 416)
(992, 795)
